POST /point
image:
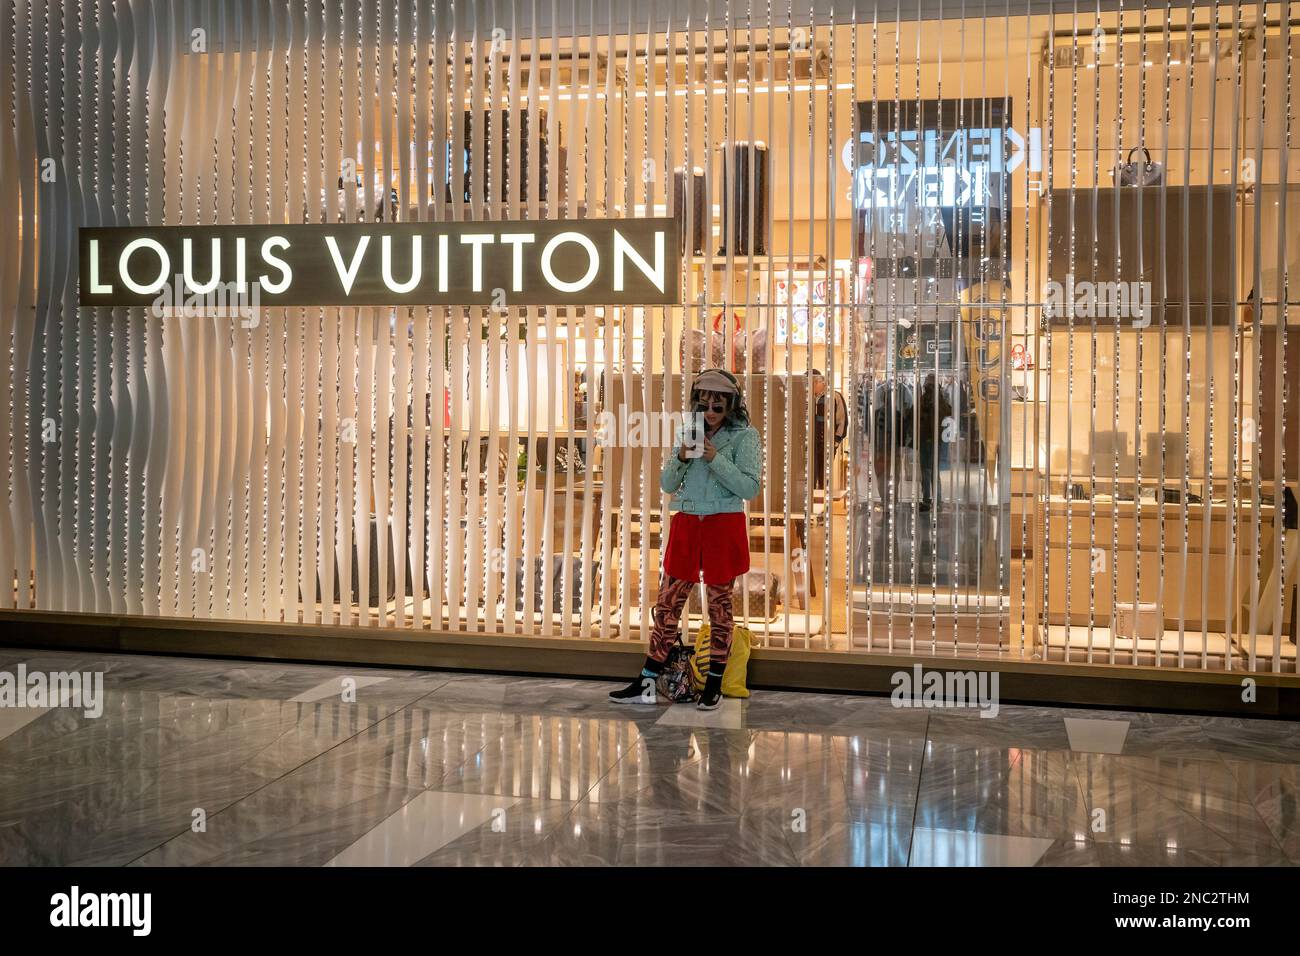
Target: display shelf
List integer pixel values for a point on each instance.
(1071, 644)
(1264, 650)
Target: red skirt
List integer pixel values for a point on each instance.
(718, 545)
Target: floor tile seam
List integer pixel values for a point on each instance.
(1254, 801)
(274, 780)
(916, 798)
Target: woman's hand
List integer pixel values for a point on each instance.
(709, 450)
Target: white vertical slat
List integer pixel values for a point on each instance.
(1283, 299)
(670, 316)
(11, 189)
(82, 372)
(624, 317)
(609, 593)
(651, 499)
(299, 586)
(545, 357)
(586, 571)
(521, 113)
(566, 382)
(243, 356)
(386, 317)
(331, 505)
(455, 549)
(368, 322)
(44, 92)
(114, 477)
(18, 299)
(831, 159)
(1230, 602)
(403, 408)
(228, 554)
(805, 433)
(491, 319)
(1160, 297)
(185, 442)
(443, 485)
(789, 561)
(1251, 637)
(1188, 99)
(1211, 384)
(314, 531)
(475, 320)
(421, 396)
(262, 531)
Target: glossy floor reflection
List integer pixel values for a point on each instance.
(207, 762)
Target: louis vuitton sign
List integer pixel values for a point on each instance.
(521, 262)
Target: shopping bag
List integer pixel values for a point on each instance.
(733, 677)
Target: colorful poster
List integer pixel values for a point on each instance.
(803, 303)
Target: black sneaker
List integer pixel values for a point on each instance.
(709, 699)
(640, 691)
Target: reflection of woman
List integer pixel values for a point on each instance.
(710, 480)
(934, 418)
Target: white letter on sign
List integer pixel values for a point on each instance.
(478, 240)
(386, 265)
(97, 287)
(286, 274)
(593, 258)
(624, 248)
(347, 275)
(517, 239)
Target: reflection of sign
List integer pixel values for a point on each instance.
(952, 153)
(928, 344)
(983, 317)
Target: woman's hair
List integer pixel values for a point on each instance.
(737, 413)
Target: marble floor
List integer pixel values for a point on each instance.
(226, 763)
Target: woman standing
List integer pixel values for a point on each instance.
(710, 480)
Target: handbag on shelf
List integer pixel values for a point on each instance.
(1145, 173)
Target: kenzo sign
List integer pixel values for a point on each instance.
(521, 262)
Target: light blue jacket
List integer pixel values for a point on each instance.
(723, 485)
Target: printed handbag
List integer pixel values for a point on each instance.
(1145, 173)
(675, 682)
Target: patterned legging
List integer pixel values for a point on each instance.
(673, 593)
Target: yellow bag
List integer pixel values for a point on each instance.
(733, 678)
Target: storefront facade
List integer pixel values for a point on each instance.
(1008, 296)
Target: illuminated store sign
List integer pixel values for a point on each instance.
(524, 262)
(936, 154)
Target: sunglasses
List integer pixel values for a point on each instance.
(718, 407)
